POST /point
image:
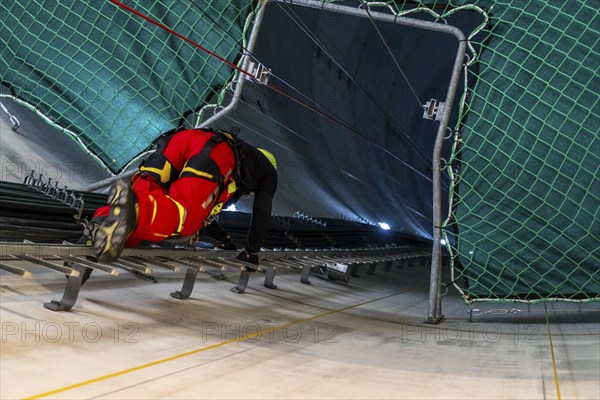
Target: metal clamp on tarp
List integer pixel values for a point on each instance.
(434, 109)
(260, 73)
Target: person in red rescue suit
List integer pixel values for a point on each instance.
(181, 188)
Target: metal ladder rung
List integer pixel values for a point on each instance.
(288, 263)
(158, 263)
(271, 263)
(341, 260)
(132, 267)
(60, 268)
(239, 265)
(313, 261)
(91, 264)
(16, 270)
(211, 263)
(187, 264)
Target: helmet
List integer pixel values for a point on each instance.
(270, 157)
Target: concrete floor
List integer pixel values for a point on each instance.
(128, 339)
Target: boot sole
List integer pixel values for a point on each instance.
(111, 236)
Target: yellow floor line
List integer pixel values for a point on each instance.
(552, 352)
(189, 353)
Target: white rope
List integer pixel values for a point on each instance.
(11, 117)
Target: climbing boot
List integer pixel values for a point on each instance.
(110, 237)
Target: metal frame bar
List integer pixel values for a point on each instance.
(15, 270)
(71, 292)
(241, 79)
(435, 303)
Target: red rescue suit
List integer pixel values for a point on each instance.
(189, 177)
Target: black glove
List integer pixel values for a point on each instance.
(227, 244)
(247, 257)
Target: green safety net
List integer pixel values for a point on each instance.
(524, 222)
(110, 77)
(528, 195)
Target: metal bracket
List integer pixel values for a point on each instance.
(188, 284)
(242, 282)
(268, 283)
(434, 109)
(304, 275)
(388, 265)
(371, 270)
(260, 73)
(71, 292)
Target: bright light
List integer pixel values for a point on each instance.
(231, 208)
(383, 225)
(443, 242)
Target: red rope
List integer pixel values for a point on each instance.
(171, 31)
(322, 113)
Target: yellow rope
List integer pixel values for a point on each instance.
(552, 352)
